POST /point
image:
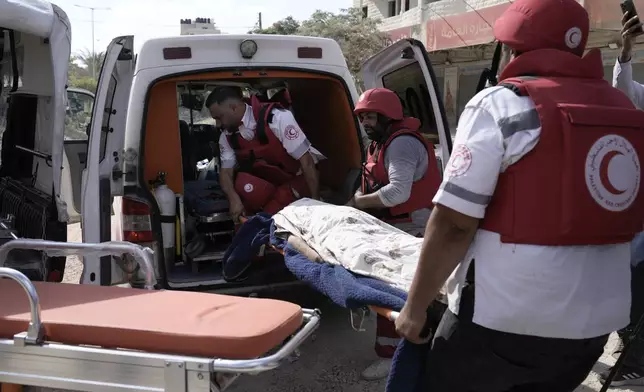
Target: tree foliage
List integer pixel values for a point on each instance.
(358, 36)
(286, 26)
(80, 69)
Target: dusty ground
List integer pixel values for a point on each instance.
(331, 361)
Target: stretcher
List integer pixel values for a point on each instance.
(109, 339)
(361, 314)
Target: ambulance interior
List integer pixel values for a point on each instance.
(185, 147)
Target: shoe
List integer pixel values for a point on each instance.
(627, 375)
(377, 370)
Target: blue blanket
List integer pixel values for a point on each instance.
(341, 286)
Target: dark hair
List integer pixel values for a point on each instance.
(222, 93)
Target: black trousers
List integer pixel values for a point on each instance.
(635, 357)
(469, 358)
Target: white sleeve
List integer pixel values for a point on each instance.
(623, 80)
(226, 153)
(290, 134)
(474, 165)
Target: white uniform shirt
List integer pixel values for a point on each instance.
(623, 80)
(572, 292)
(284, 127)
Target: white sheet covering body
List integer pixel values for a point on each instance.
(354, 239)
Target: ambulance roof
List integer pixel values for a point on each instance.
(222, 49)
(36, 17)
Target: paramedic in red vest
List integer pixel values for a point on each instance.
(401, 175)
(399, 179)
(275, 162)
(532, 224)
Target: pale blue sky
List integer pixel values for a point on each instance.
(154, 18)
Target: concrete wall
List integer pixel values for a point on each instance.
(416, 15)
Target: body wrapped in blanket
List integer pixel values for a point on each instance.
(354, 239)
(358, 270)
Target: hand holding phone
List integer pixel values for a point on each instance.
(630, 18)
(631, 28)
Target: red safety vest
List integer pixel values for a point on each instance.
(264, 155)
(581, 184)
(375, 175)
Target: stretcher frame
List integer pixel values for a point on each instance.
(28, 360)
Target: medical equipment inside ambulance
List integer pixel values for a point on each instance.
(205, 228)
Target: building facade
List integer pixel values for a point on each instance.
(198, 26)
(459, 37)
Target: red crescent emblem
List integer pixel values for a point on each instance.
(603, 172)
(291, 133)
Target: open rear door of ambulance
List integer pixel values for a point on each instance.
(104, 155)
(80, 104)
(405, 68)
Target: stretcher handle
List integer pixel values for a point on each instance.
(35, 331)
(386, 313)
(393, 315)
(143, 256)
(311, 320)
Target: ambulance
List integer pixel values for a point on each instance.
(150, 131)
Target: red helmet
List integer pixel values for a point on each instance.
(544, 24)
(380, 100)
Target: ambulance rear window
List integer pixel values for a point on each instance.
(177, 53)
(309, 53)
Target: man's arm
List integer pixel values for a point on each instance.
(401, 158)
(448, 236)
(470, 180)
(623, 80)
(310, 173)
(227, 176)
(298, 146)
(623, 70)
(227, 183)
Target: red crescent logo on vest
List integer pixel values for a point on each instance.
(459, 162)
(291, 133)
(613, 173)
(248, 188)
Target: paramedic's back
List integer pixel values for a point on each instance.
(536, 211)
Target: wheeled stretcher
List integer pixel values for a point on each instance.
(94, 338)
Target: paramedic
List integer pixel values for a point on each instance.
(399, 180)
(533, 221)
(270, 149)
(632, 370)
(401, 174)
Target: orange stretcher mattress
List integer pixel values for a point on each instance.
(172, 322)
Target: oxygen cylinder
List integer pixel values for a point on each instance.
(168, 207)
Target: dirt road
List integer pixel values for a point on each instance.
(332, 360)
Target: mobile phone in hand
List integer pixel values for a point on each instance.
(628, 7)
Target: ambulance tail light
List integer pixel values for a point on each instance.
(178, 53)
(137, 221)
(309, 52)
